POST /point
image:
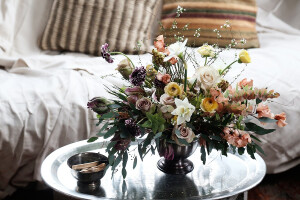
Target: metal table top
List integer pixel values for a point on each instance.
(221, 177)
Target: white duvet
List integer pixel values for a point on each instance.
(43, 101)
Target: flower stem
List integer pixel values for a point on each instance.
(228, 67)
(120, 53)
(205, 61)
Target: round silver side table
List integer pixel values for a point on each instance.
(221, 178)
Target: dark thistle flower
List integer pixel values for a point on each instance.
(167, 152)
(137, 77)
(105, 53)
(99, 105)
(159, 84)
(132, 127)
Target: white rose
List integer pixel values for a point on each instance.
(206, 51)
(207, 77)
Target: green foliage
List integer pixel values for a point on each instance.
(155, 122)
(92, 139)
(203, 155)
(257, 129)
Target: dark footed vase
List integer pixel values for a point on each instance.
(180, 164)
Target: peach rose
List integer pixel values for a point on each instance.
(245, 82)
(159, 44)
(264, 111)
(281, 119)
(173, 61)
(165, 78)
(167, 100)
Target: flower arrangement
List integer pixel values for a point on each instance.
(162, 105)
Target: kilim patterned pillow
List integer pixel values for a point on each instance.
(209, 15)
(84, 25)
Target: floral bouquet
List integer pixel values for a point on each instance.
(162, 106)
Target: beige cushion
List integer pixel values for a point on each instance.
(211, 15)
(84, 25)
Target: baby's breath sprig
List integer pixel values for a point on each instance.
(197, 32)
(179, 11)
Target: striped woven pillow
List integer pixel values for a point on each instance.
(84, 25)
(209, 15)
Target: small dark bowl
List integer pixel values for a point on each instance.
(87, 178)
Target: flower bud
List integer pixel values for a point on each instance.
(99, 105)
(125, 68)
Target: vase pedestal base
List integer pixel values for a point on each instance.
(182, 166)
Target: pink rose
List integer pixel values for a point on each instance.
(159, 44)
(186, 133)
(165, 78)
(281, 119)
(245, 82)
(167, 100)
(143, 104)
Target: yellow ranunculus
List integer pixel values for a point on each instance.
(209, 105)
(244, 57)
(173, 89)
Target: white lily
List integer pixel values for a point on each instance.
(175, 49)
(184, 110)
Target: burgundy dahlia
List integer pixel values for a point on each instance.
(132, 127)
(137, 77)
(105, 53)
(159, 84)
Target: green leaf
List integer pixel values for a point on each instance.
(161, 128)
(140, 151)
(110, 132)
(147, 124)
(190, 125)
(203, 154)
(252, 136)
(117, 161)
(267, 120)
(257, 129)
(209, 147)
(134, 162)
(92, 139)
(184, 142)
(110, 145)
(216, 137)
(114, 106)
(259, 149)
(250, 151)
(258, 101)
(241, 150)
(124, 187)
(102, 129)
(157, 135)
(109, 115)
(177, 132)
(124, 172)
(125, 158)
(152, 150)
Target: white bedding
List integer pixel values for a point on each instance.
(43, 100)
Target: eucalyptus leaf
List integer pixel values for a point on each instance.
(203, 154)
(184, 142)
(267, 120)
(252, 136)
(250, 151)
(257, 129)
(124, 172)
(92, 139)
(125, 158)
(241, 150)
(110, 132)
(134, 162)
(259, 149)
(157, 135)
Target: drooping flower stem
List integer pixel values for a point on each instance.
(120, 53)
(185, 71)
(228, 67)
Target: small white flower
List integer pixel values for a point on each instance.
(184, 110)
(175, 50)
(206, 50)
